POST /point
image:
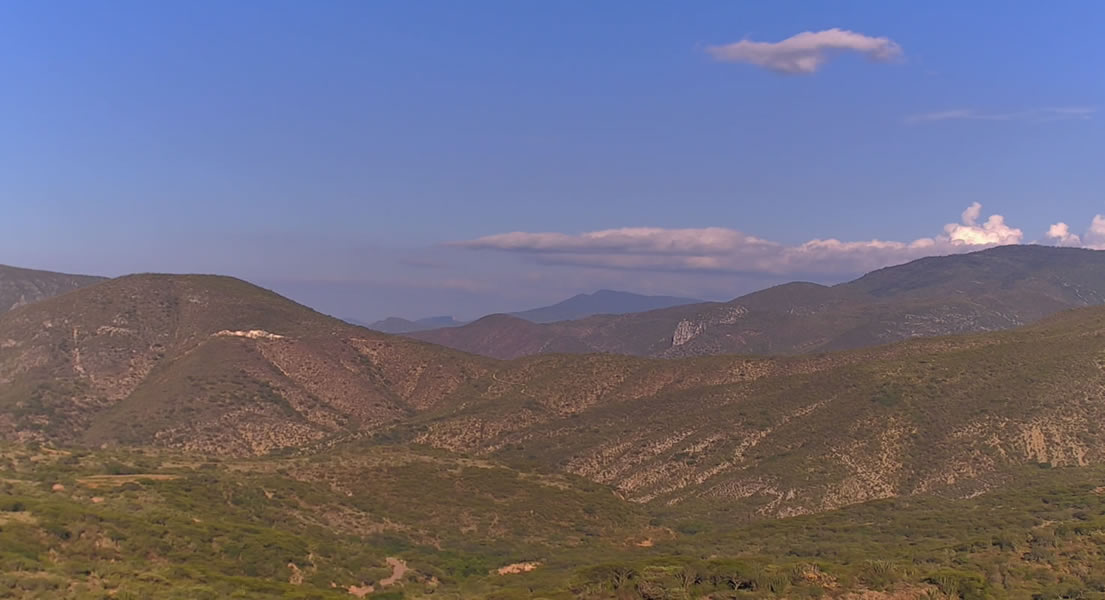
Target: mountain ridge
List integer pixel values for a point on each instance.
(581, 305)
(400, 325)
(218, 366)
(998, 288)
(19, 286)
(601, 302)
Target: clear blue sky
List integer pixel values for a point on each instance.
(333, 150)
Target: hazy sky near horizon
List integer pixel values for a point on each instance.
(417, 158)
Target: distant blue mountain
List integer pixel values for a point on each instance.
(602, 302)
(397, 325)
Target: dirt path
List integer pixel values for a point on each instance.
(398, 570)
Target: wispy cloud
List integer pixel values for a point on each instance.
(1062, 113)
(806, 52)
(717, 249)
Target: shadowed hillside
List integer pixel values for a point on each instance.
(23, 286)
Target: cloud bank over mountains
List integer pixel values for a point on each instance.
(723, 250)
(806, 52)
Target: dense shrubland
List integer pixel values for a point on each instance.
(139, 525)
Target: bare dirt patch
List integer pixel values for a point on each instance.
(398, 570)
(360, 591)
(17, 517)
(515, 568)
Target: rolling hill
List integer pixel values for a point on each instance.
(206, 362)
(214, 364)
(153, 419)
(23, 286)
(993, 289)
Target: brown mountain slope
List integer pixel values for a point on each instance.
(209, 363)
(217, 365)
(989, 290)
(799, 435)
(23, 286)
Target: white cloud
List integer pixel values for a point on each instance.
(993, 232)
(806, 52)
(1061, 235)
(1062, 113)
(717, 249)
(1094, 237)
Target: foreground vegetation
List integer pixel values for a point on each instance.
(133, 524)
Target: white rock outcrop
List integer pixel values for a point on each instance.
(685, 331)
(253, 334)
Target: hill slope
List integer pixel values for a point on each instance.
(993, 289)
(217, 365)
(205, 362)
(465, 466)
(804, 434)
(23, 286)
(370, 522)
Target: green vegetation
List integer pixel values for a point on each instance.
(79, 524)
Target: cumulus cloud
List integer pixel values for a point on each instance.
(1094, 237)
(1062, 113)
(1061, 235)
(993, 232)
(806, 52)
(717, 249)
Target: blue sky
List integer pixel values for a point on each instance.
(372, 158)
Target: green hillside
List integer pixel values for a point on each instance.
(79, 524)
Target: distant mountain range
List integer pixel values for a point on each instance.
(215, 365)
(398, 325)
(153, 419)
(602, 302)
(994, 289)
(23, 286)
